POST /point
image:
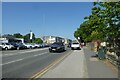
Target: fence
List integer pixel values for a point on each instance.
(113, 50)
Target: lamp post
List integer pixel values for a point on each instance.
(79, 39)
(31, 34)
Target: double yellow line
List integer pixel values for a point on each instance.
(43, 71)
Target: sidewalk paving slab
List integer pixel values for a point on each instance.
(97, 68)
(72, 67)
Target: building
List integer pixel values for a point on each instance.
(10, 38)
(52, 39)
(3, 40)
(67, 41)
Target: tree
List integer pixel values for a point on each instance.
(104, 21)
(27, 38)
(38, 40)
(111, 13)
(18, 35)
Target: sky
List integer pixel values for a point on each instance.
(44, 18)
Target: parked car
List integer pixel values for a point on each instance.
(6, 46)
(18, 45)
(75, 45)
(0, 48)
(36, 45)
(47, 45)
(42, 45)
(69, 45)
(57, 47)
(29, 46)
(33, 45)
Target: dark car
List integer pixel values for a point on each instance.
(69, 45)
(18, 45)
(57, 47)
(0, 48)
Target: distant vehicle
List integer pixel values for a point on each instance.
(18, 45)
(29, 46)
(36, 45)
(69, 45)
(21, 46)
(6, 46)
(75, 45)
(33, 45)
(47, 45)
(40, 45)
(57, 47)
(43, 45)
(0, 48)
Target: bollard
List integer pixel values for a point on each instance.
(101, 53)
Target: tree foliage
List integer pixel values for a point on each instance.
(18, 35)
(27, 38)
(103, 21)
(38, 40)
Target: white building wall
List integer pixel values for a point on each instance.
(3, 40)
(52, 39)
(22, 40)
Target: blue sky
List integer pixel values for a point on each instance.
(44, 18)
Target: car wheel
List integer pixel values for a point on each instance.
(71, 48)
(30, 47)
(64, 49)
(18, 48)
(50, 51)
(6, 48)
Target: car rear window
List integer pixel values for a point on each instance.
(75, 43)
(57, 43)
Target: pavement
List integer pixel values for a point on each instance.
(81, 64)
(99, 68)
(72, 67)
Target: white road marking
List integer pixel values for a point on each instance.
(23, 58)
(77, 50)
(24, 52)
(12, 61)
(40, 54)
(36, 55)
(33, 50)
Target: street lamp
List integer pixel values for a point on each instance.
(31, 34)
(79, 39)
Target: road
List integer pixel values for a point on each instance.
(26, 63)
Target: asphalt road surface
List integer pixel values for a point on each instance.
(26, 63)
